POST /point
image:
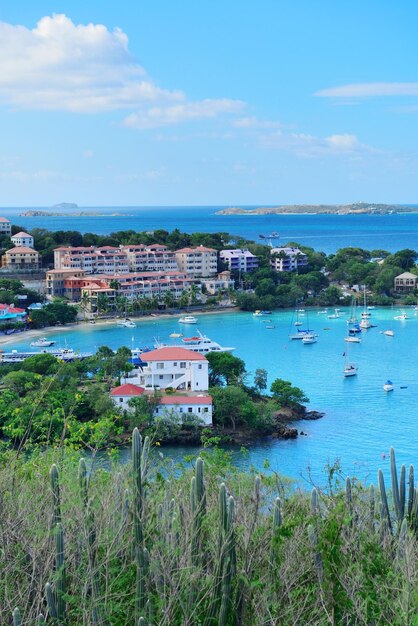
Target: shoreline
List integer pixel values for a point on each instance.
(35, 333)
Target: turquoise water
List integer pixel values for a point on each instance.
(361, 422)
(323, 232)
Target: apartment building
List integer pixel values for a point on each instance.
(5, 226)
(239, 260)
(22, 239)
(21, 259)
(55, 281)
(197, 262)
(287, 259)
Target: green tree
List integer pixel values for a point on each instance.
(286, 395)
(225, 368)
(260, 379)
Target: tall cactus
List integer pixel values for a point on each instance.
(55, 487)
(50, 600)
(41, 620)
(411, 490)
(228, 564)
(198, 506)
(277, 522)
(139, 473)
(402, 540)
(385, 514)
(372, 506)
(397, 489)
(314, 502)
(60, 573)
(90, 526)
(313, 540)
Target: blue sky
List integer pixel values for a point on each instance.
(209, 102)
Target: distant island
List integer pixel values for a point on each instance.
(356, 208)
(37, 213)
(65, 205)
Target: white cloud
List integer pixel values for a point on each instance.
(368, 90)
(311, 146)
(156, 117)
(59, 65)
(254, 122)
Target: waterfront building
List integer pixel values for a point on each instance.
(199, 262)
(199, 405)
(122, 394)
(56, 278)
(221, 282)
(239, 260)
(405, 282)
(177, 368)
(287, 259)
(22, 239)
(20, 259)
(5, 226)
(12, 313)
(152, 258)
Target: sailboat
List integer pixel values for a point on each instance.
(365, 314)
(388, 386)
(309, 337)
(350, 369)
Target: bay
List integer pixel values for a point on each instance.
(361, 421)
(323, 232)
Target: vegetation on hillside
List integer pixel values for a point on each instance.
(153, 544)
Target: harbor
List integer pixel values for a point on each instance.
(361, 420)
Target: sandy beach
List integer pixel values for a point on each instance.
(34, 334)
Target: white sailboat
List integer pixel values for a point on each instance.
(350, 369)
(365, 314)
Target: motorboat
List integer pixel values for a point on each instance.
(365, 324)
(265, 312)
(389, 333)
(176, 335)
(126, 323)
(309, 338)
(401, 317)
(42, 343)
(388, 386)
(270, 326)
(335, 315)
(352, 339)
(188, 319)
(63, 354)
(198, 343)
(257, 313)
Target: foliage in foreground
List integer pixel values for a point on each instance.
(208, 546)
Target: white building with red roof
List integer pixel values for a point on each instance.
(173, 367)
(23, 239)
(11, 312)
(199, 405)
(197, 262)
(5, 226)
(21, 258)
(122, 394)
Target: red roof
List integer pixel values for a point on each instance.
(186, 400)
(127, 390)
(22, 249)
(21, 234)
(11, 309)
(4, 219)
(172, 354)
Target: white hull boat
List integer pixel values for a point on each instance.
(352, 339)
(188, 319)
(42, 343)
(309, 338)
(388, 386)
(199, 343)
(350, 370)
(389, 333)
(126, 323)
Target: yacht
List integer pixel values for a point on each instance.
(365, 323)
(64, 354)
(257, 313)
(188, 319)
(350, 370)
(352, 339)
(42, 343)
(388, 386)
(198, 343)
(402, 316)
(126, 323)
(389, 333)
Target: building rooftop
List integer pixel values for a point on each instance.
(197, 249)
(22, 250)
(11, 308)
(21, 234)
(186, 400)
(172, 354)
(407, 275)
(4, 219)
(127, 390)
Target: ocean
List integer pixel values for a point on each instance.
(323, 232)
(361, 421)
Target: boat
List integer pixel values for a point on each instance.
(350, 369)
(64, 354)
(126, 323)
(335, 315)
(388, 386)
(389, 333)
(309, 338)
(401, 317)
(42, 343)
(198, 343)
(257, 313)
(265, 312)
(92, 321)
(188, 319)
(175, 335)
(270, 326)
(353, 313)
(365, 324)
(324, 312)
(352, 339)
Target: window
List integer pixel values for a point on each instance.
(156, 410)
(175, 363)
(200, 366)
(199, 409)
(183, 365)
(160, 366)
(181, 409)
(190, 409)
(161, 376)
(205, 409)
(121, 400)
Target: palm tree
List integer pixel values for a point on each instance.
(184, 299)
(103, 304)
(193, 293)
(85, 302)
(168, 299)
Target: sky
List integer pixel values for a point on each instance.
(208, 103)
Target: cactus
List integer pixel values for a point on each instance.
(384, 501)
(314, 502)
(16, 617)
(41, 620)
(313, 540)
(139, 460)
(142, 622)
(60, 573)
(89, 523)
(277, 522)
(372, 505)
(54, 477)
(395, 486)
(402, 493)
(198, 506)
(228, 564)
(411, 490)
(402, 540)
(50, 599)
